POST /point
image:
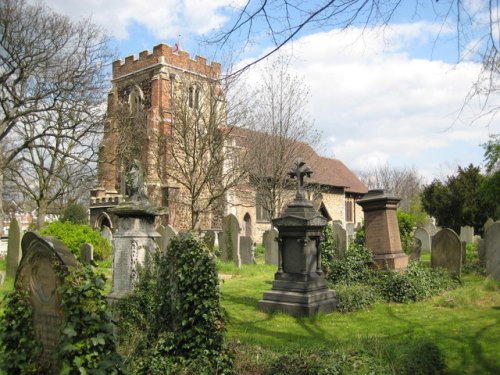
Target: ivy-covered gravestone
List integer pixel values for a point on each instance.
(56, 319)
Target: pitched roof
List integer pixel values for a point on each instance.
(326, 171)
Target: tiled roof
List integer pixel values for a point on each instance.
(326, 171)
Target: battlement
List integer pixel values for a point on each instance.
(162, 53)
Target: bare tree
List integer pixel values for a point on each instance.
(202, 162)
(404, 182)
(55, 170)
(280, 131)
(45, 60)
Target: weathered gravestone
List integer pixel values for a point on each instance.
(382, 230)
(481, 250)
(351, 232)
(431, 229)
(42, 259)
(247, 250)
(271, 246)
(220, 241)
(13, 248)
(166, 235)
(415, 249)
(209, 239)
(492, 250)
(424, 237)
(488, 224)
(106, 233)
(231, 239)
(447, 251)
(87, 254)
(340, 239)
(2, 278)
(464, 251)
(467, 234)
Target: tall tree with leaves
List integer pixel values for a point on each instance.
(458, 201)
(46, 62)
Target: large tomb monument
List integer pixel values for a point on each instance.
(136, 236)
(299, 287)
(382, 230)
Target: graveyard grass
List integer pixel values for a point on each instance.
(463, 323)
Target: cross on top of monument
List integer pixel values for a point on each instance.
(300, 170)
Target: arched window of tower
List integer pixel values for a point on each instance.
(136, 100)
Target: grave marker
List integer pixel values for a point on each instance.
(447, 251)
(492, 250)
(247, 250)
(231, 238)
(423, 235)
(271, 246)
(340, 239)
(14, 253)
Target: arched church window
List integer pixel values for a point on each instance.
(136, 100)
(193, 96)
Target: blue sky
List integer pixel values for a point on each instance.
(393, 95)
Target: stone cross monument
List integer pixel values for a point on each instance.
(299, 287)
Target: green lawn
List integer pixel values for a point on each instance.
(464, 323)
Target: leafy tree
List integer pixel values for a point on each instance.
(406, 223)
(492, 153)
(76, 214)
(458, 201)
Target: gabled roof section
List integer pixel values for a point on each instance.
(326, 171)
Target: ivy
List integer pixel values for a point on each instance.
(87, 344)
(19, 351)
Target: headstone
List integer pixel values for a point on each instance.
(14, 253)
(464, 251)
(340, 239)
(488, 224)
(349, 227)
(166, 235)
(271, 246)
(87, 254)
(382, 230)
(467, 234)
(447, 251)
(42, 259)
(492, 250)
(481, 251)
(247, 250)
(424, 237)
(2, 278)
(415, 249)
(220, 240)
(209, 239)
(231, 237)
(431, 229)
(106, 233)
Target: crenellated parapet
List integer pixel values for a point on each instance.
(163, 54)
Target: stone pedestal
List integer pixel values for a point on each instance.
(133, 243)
(382, 230)
(299, 288)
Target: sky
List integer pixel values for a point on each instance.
(392, 96)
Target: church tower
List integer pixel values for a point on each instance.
(140, 112)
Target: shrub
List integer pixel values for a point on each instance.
(75, 235)
(354, 267)
(176, 305)
(355, 297)
(422, 358)
(415, 284)
(76, 214)
(327, 249)
(406, 224)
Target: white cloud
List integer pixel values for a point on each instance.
(375, 104)
(163, 18)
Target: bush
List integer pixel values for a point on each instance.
(406, 224)
(355, 297)
(353, 268)
(176, 306)
(76, 214)
(415, 284)
(75, 235)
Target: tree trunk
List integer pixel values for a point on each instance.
(1, 201)
(42, 212)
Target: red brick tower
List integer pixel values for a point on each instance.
(139, 113)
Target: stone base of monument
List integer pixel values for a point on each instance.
(298, 295)
(391, 261)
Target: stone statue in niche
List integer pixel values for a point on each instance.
(136, 186)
